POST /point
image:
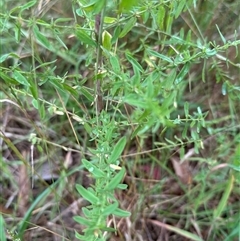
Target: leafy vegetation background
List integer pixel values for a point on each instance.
(164, 74)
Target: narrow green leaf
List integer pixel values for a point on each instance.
(128, 26)
(2, 231)
(223, 202)
(20, 78)
(34, 90)
(109, 209)
(121, 213)
(182, 73)
(122, 186)
(28, 5)
(93, 169)
(82, 220)
(7, 79)
(116, 33)
(117, 150)
(86, 194)
(182, 232)
(115, 180)
(180, 6)
(41, 38)
(161, 56)
(81, 237)
(87, 212)
(61, 42)
(133, 61)
(4, 57)
(222, 37)
(186, 109)
(83, 36)
(86, 93)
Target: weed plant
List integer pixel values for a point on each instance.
(144, 96)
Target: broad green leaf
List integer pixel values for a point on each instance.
(35, 104)
(117, 150)
(83, 36)
(106, 40)
(161, 16)
(109, 209)
(223, 202)
(97, 173)
(121, 213)
(161, 56)
(115, 64)
(20, 78)
(98, 6)
(128, 26)
(115, 180)
(127, 5)
(86, 194)
(109, 20)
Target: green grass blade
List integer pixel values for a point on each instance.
(223, 202)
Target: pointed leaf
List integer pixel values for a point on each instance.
(121, 213)
(117, 150)
(41, 38)
(93, 169)
(223, 202)
(85, 38)
(128, 26)
(20, 78)
(106, 40)
(82, 220)
(115, 180)
(86, 194)
(133, 61)
(161, 56)
(110, 209)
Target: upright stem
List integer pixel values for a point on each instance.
(98, 31)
